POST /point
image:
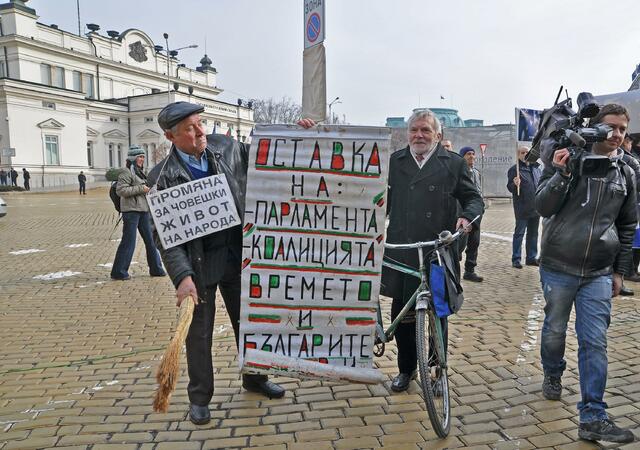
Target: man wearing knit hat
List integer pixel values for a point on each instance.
(201, 266)
(473, 238)
(131, 188)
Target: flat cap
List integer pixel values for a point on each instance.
(175, 112)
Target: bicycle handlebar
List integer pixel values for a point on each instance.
(444, 238)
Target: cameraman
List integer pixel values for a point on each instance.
(586, 249)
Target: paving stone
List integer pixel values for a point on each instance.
(317, 435)
(480, 438)
(271, 439)
(315, 445)
(179, 446)
(28, 444)
(550, 440)
(357, 443)
(126, 438)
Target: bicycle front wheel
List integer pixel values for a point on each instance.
(432, 363)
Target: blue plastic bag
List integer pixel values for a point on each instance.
(439, 291)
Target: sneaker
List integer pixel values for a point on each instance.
(472, 276)
(552, 387)
(516, 264)
(604, 430)
(532, 262)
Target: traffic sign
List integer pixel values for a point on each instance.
(483, 148)
(314, 23)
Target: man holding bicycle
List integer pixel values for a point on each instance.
(586, 248)
(426, 182)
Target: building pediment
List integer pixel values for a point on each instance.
(148, 134)
(51, 124)
(115, 134)
(91, 132)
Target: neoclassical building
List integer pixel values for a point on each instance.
(71, 103)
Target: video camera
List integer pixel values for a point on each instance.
(561, 127)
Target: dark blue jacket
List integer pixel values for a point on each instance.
(524, 205)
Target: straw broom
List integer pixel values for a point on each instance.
(168, 370)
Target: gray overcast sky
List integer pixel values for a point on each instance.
(386, 57)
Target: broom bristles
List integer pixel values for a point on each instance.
(169, 368)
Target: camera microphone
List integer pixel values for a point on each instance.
(575, 138)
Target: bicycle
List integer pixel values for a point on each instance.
(432, 357)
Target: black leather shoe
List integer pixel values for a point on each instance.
(533, 262)
(159, 274)
(635, 277)
(472, 276)
(401, 382)
(626, 291)
(261, 385)
(199, 415)
(517, 265)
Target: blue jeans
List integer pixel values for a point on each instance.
(132, 221)
(531, 225)
(592, 298)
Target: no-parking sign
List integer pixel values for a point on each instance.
(314, 23)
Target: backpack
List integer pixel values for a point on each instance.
(113, 195)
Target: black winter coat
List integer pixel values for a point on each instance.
(524, 205)
(422, 203)
(205, 259)
(589, 222)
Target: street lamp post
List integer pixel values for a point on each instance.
(335, 100)
(170, 54)
(166, 40)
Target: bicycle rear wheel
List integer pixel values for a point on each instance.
(432, 363)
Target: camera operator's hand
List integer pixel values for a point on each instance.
(560, 160)
(617, 284)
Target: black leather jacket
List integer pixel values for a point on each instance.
(589, 222)
(226, 156)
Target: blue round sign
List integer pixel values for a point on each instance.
(313, 27)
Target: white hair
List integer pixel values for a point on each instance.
(423, 114)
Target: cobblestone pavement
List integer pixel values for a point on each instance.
(79, 353)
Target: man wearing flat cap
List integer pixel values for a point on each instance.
(201, 266)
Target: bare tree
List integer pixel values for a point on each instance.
(276, 111)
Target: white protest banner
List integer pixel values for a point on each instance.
(313, 241)
(192, 210)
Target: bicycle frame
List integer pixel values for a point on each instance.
(421, 298)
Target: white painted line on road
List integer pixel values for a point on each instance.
(77, 245)
(26, 252)
(496, 236)
(56, 275)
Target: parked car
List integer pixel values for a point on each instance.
(3, 208)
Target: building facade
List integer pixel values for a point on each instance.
(71, 103)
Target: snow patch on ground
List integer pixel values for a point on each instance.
(56, 275)
(25, 252)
